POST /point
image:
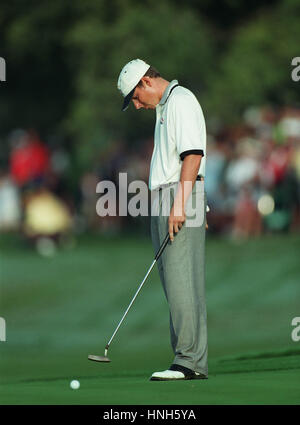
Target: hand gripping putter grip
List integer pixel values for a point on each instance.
(158, 254)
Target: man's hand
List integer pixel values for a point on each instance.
(176, 221)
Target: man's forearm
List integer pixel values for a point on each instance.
(188, 175)
(189, 172)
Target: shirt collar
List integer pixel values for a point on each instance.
(167, 92)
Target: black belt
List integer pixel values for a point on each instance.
(199, 178)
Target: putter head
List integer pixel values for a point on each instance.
(101, 359)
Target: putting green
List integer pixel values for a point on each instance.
(60, 309)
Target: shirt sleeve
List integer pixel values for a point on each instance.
(189, 127)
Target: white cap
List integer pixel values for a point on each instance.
(129, 78)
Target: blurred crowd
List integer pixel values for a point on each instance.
(253, 174)
(33, 199)
(252, 181)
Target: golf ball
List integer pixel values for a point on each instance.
(74, 384)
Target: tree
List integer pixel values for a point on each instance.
(256, 69)
(175, 41)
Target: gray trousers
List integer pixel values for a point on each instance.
(182, 273)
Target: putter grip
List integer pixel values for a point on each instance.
(163, 245)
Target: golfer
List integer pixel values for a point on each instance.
(178, 161)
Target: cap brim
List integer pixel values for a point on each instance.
(127, 100)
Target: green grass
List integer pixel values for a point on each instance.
(58, 310)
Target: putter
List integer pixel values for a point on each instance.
(104, 358)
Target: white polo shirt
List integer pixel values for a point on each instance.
(180, 130)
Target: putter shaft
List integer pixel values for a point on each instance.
(128, 308)
(158, 254)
